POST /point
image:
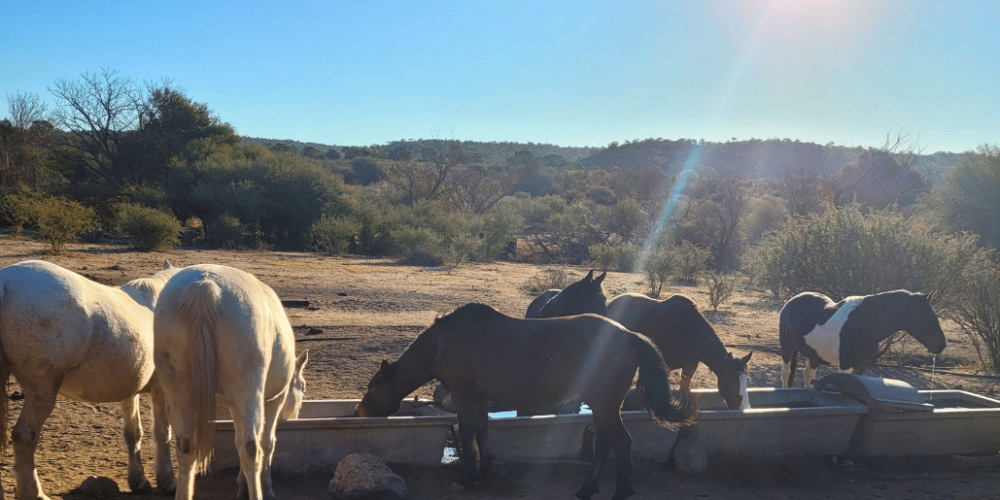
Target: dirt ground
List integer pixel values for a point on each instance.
(364, 310)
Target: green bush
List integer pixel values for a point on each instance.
(618, 257)
(17, 210)
(658, 267)
(60, 220)
(603, 255)
(418, 246)
(226, 231)
(846, 252)
(691, 261)
(333, 235)
(149, 229)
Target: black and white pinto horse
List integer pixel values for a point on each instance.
(846, 334)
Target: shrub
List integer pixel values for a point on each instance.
(977, 312)
(691, 261)
(149, 229)
(418, 246)
(498, 228)
(659, 265)
(625, 257)
(720, 288)
(555, 277)
(845, 252)
(60, 220)
(16, 208)
(226, 231)
(603, 255)
(333, 235)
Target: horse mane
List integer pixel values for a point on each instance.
(464, 312)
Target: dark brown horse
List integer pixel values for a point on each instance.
(531, 365)
(685, 338)
(584, 296)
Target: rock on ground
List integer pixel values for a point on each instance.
(363, 476)
(97, 486)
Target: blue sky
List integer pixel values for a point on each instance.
(573, 73)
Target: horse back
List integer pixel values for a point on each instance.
(675, 325)
(533, 364)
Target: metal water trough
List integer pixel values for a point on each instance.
(325, 432)
(904, 421)
(793, 421)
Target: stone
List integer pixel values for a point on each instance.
(689, 454)
(97, 486)
(363, 476)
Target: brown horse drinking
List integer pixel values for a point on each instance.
(685, 338)
(531, 365)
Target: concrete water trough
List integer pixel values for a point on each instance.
(793, 421)
(325, 432)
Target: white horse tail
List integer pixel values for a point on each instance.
(198, 310)
(4, 377)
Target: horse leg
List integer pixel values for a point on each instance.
(271, 410)
(38, 405)
(483, 438)
(788, 368)
(602, 448)
(809, 372)
(687, 373)
(249, 427)
(465, 407)
(622, 442)
(165, 479)
(132, 430)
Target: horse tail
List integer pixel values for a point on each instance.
(654, 386)
(4, 377)
(198, 308)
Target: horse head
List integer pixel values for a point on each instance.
(922, 322)
(733, 379)
(381, 399)
(296, 388)
(584, 296)
(145, 290)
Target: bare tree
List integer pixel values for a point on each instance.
(97, 113)
(25, 109)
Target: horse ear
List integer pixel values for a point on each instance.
(589, 276)
(166, 264)
(385, 365)
(600, 278)
(301, 360)
(746, 359)
(930, 296)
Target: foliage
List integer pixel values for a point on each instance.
(978, 312)
(226, 231)
(418, 246)
(149, 229)
(60, 220)
(658, 267)
(332, 235)
(16, 208)
(496, 229)
(720, 288)
(971, 199)
(691, 261)
(844, 252)
(614, 257)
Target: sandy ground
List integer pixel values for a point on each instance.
(364, 310)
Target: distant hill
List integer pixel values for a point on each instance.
(757, 159)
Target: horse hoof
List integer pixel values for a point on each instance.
(585, 493)
(622, 495)
(142, 487)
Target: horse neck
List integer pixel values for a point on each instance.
(145, 290)
(712, 352)
(882, 316)
(416, 365)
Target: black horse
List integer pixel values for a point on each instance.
(846, 334)
(584, 296)
(531, 365)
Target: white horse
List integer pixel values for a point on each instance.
(222, 335)
(61, 333)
